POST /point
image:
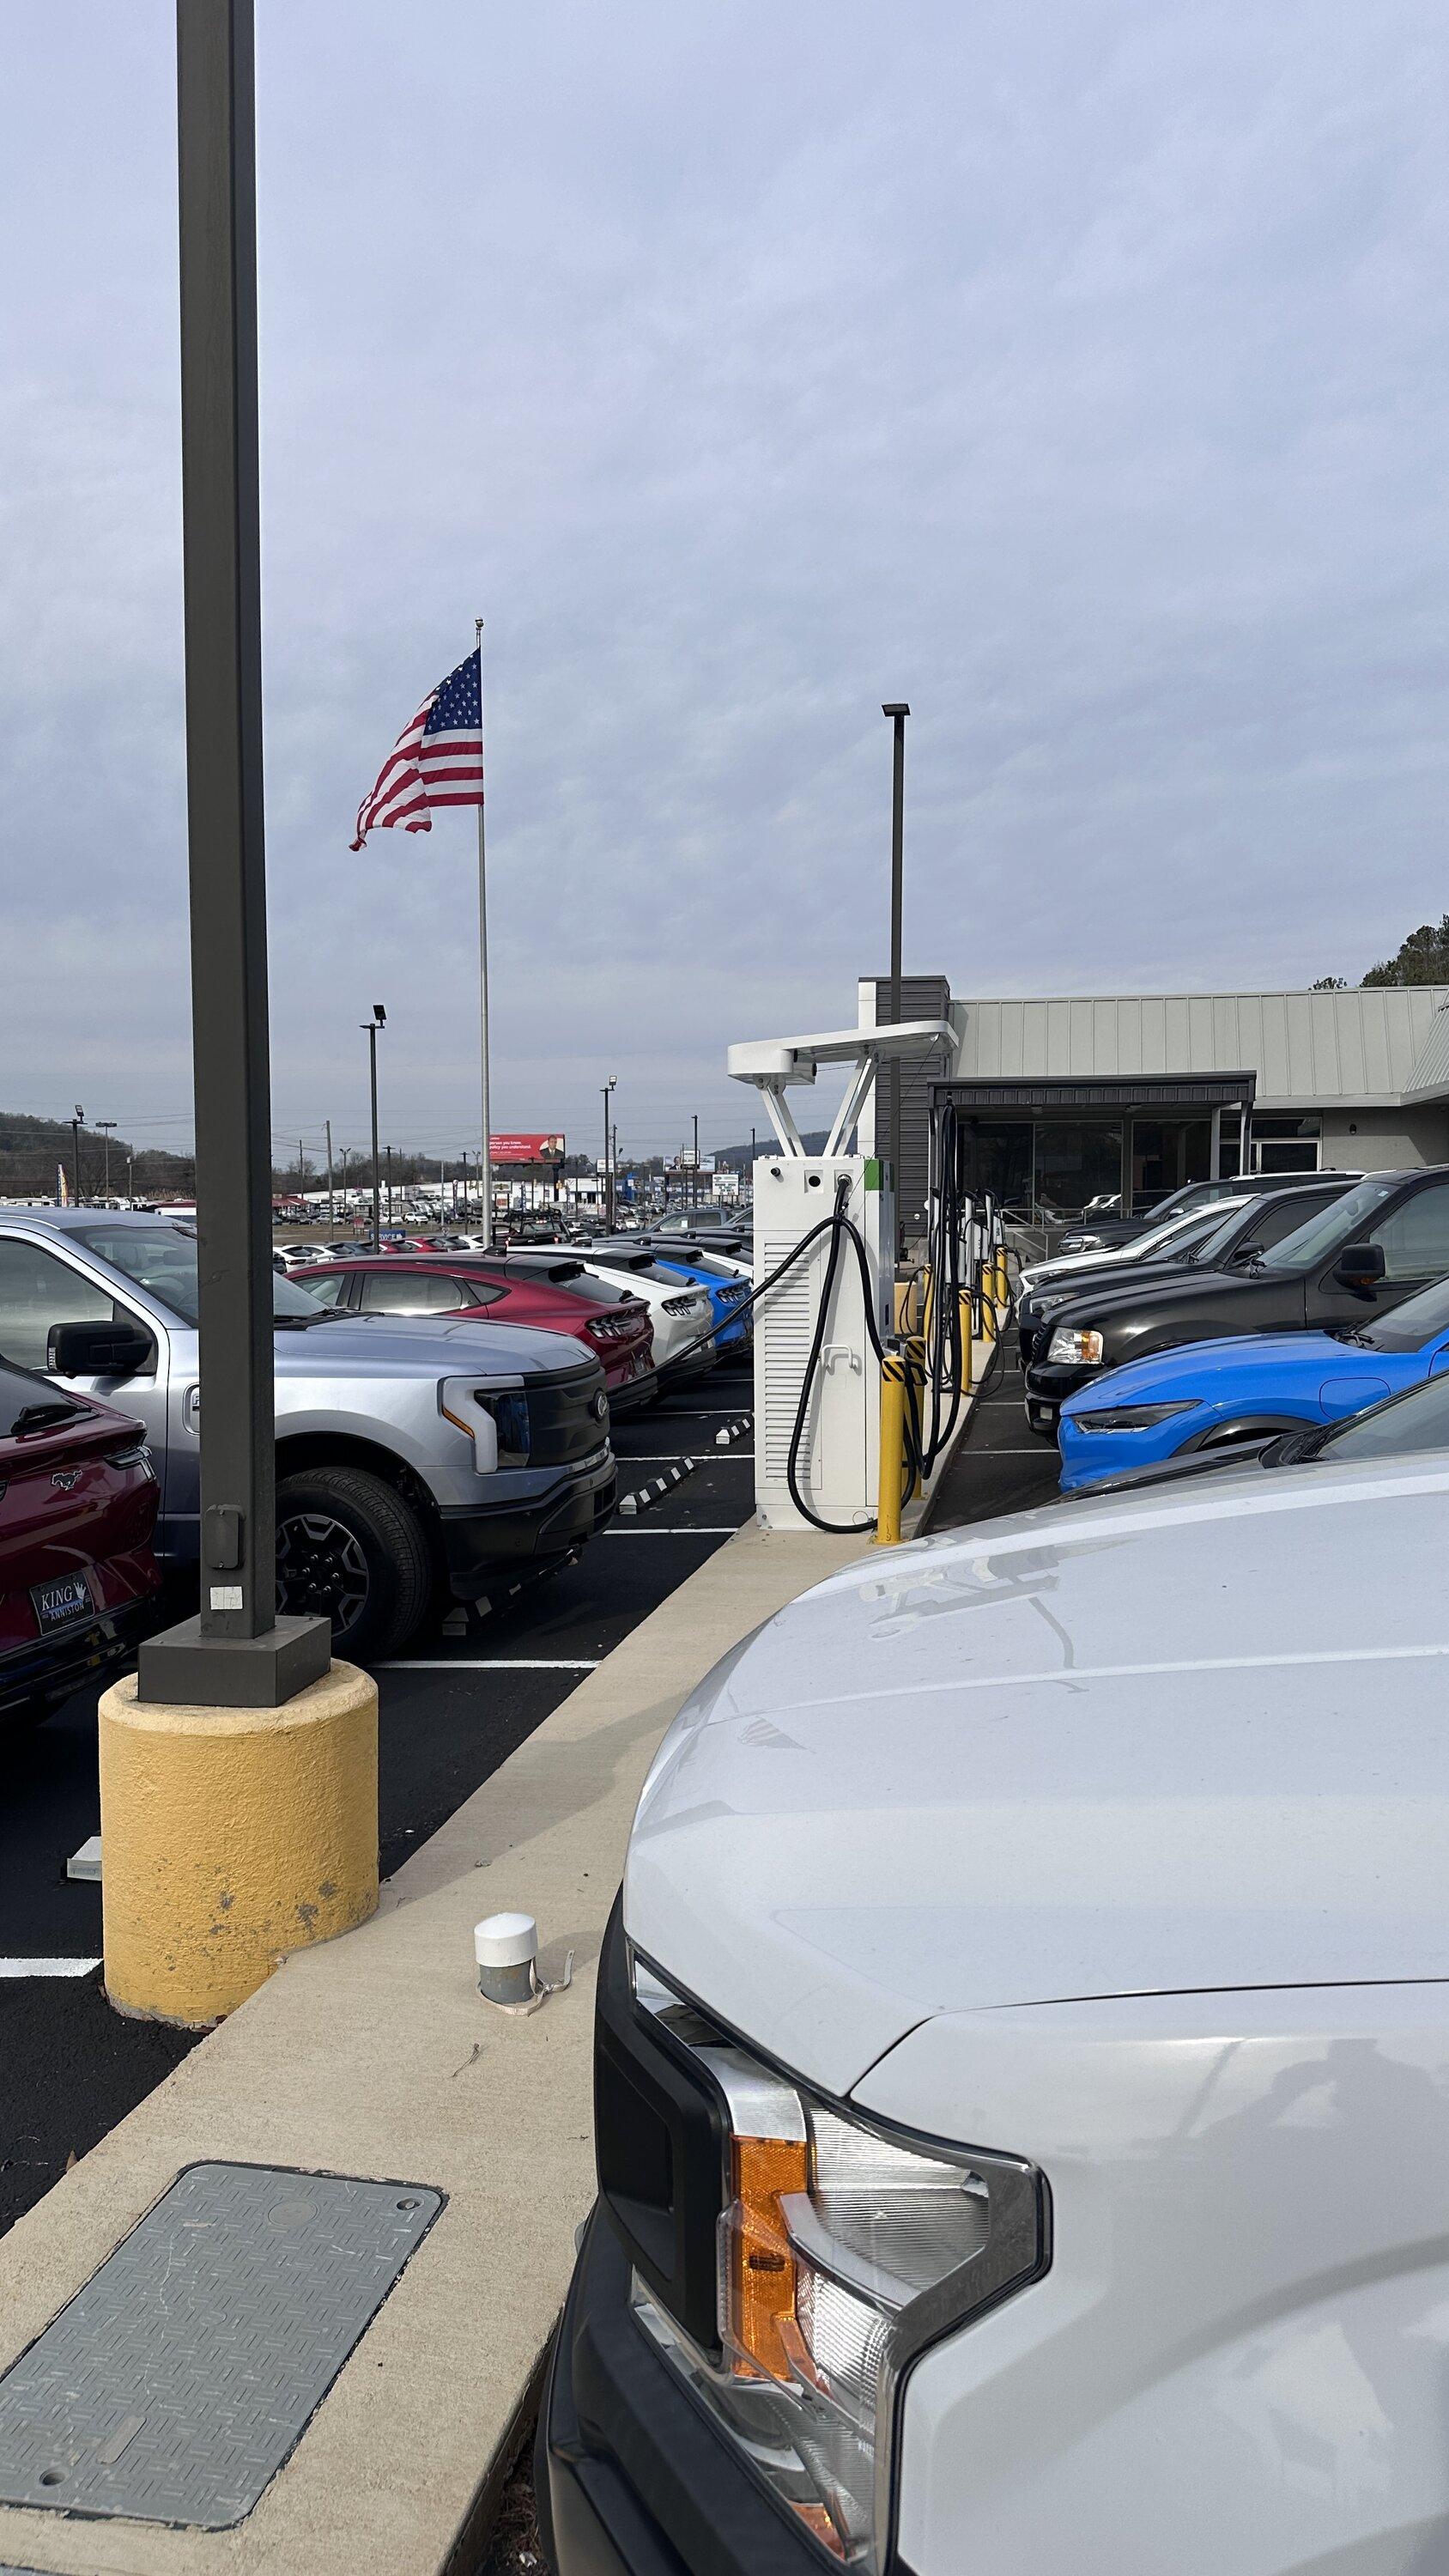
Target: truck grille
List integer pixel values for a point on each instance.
(567, 1417)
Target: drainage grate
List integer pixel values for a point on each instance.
(181, 2376)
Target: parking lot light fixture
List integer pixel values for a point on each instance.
(897, 710)
(607, 1090)
(371, 1027)
(238, 1653)
(76, 1124)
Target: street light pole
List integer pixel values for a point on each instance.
(107, 1128)
(606, 1089)
(898, 712)
(238, 1653)
(377, 1021)
(76, 1124)
(694, 1176)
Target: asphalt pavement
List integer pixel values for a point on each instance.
(463, 1697)
(999, 1465)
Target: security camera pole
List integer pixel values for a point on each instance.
(238, 1653)
(898, 713)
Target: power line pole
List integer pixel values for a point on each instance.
(694, 1176)
(389, 1184)
(331, 1213)
(107, 1128)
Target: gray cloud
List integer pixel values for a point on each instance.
(1077, 372)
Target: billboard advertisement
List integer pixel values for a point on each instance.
(526, 1149)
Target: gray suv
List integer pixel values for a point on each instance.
(412, 1458)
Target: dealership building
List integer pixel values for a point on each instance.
(1079, 1096)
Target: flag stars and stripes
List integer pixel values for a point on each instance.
(436, 760)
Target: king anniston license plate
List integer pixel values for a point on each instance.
(58, 1603)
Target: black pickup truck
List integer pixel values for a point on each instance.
(1386, 1238)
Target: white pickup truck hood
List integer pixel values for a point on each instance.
(1164, 1743)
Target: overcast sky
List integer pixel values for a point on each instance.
(1076, 371)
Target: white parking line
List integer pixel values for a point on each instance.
(47, 1967)
(725, 1529)
(671, 1457)
(490, 1663)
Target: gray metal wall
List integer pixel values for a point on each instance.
(1306, 1048)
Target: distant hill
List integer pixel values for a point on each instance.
(736, 1158)
(30, 1149)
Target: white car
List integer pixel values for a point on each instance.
(680, 1315)
(1177, 1234)
(1022, 2076)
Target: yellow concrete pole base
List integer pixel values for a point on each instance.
(230, 1836)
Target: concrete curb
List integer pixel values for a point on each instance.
(373, 2055)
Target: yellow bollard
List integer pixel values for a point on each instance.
(1003, 1283)
(988, 1311)
(892, 1449)
(230, 1836)
(916, 1365)
(963, 1300)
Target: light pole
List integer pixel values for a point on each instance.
(898, 712)
(131, 1178)
(377, 1021)
(76, 1124)
(607, 1090)
(239, 1653)
(694, 1175)
(107, 1127)
(389, 1184)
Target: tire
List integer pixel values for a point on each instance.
(350, 1548)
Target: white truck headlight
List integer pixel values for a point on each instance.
(844, 2251)
(1075, 1349)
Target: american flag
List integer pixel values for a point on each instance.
(436, 760)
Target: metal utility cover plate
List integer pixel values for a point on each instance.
(178, 2380)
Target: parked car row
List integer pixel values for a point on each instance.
(417, 1455)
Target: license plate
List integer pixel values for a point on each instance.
(56, 1604)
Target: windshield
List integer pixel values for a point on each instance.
(1418, 1420)
(1217, 1235)
(1179, 1231)
(1420, 1319)
(1339, 1223)
(162, 1260)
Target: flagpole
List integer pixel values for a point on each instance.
(485, 1164)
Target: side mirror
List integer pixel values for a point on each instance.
(1247, 1252)
(98, 1350)
(1360, 1265)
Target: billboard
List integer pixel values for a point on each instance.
(526, 1149)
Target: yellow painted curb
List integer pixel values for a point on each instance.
(230, 1836)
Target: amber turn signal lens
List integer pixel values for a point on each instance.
(762, 2263)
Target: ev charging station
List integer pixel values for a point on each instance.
(829, 1448)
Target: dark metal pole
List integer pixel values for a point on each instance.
(371, 1027)
(238, 1653)
(694, 1177)
(898, 713)
(75, 1127)
(389, 1185)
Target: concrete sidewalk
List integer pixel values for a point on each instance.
(373, 2056)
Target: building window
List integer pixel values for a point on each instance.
(1286, 1144)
